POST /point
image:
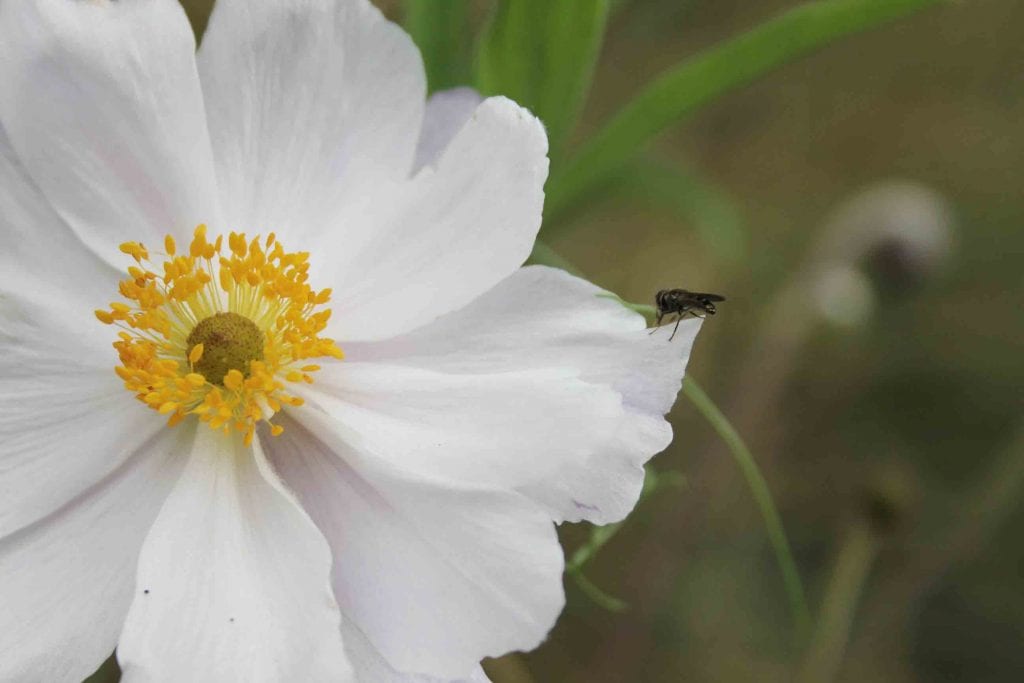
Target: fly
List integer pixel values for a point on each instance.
(683, 303)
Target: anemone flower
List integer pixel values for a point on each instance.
(277, 401)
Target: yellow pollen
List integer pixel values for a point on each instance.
(219, 336)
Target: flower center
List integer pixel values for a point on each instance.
(230, 342)
(224, 347)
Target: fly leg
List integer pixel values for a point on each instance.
(657, 323)
(679, 316)
(682, 315)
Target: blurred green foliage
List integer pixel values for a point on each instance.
(681, 89)
(442, 32)
(542, 55)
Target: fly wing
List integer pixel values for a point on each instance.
(707, 297)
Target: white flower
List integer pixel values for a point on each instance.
(402, 522)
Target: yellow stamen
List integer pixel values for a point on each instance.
(136, 250)
(254, 358)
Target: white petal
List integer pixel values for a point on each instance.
(505, 430)
(65, 419)
(447, 112)
(41, 251)
(437, 574)
(102, 103)
(542, 318)
(233, 580)
(312, 104)
(62, 429)
(413, 252)
(371, 667)
(66, 581)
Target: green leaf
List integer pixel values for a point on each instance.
(440, 29)
(698, 81)
(541, 53)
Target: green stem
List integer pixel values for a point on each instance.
(654, 481)
(763, 497)
(608, 602)
(698, 81)
(600, 535)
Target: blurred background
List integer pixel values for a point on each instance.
(888, 426)
(861, 208)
